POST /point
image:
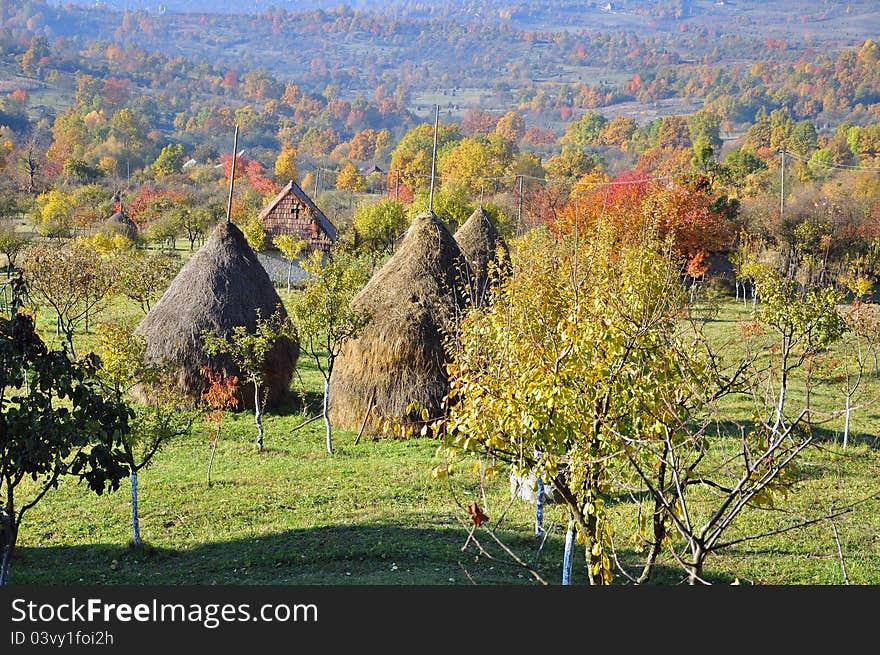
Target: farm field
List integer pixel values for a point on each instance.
(371, 514)
(626, 169)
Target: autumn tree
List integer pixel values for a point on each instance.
(169, 161)
(155, 422)
(349, 179)
(798, 327)
(324, 318)
(286, 167)
(618, 132)
(411, 159)
(478, 122)
(55, 423)
(73, 280)
(572, 163)
(584, 131)
(291, 248)
(12, 243)
(803, 324)
(511, 127)
(143, 275)
(248, 351)
(705, 126)
(53, 213)
(378, 225)
(475, 164)
(553, 370)
(32, 60)
(197, 221)
(255, 232)
(220, 397)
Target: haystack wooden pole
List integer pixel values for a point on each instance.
(232, 175)
(434, 158)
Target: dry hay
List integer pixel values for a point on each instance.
(119, 223)
(222, 286)
(399, 358)
(485, 253)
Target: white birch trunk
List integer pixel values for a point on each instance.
(567, 556)
(326, 415)
(539, 509)
(258, 417)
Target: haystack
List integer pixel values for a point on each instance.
(222, 286)
(119, 223)
(484, 252)
(399, 358)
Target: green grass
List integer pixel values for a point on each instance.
(371, 513)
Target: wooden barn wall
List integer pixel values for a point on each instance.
(283, 219)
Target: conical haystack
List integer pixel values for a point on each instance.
(485, 253)
(119, 223)
(222, 286)
(399, 358)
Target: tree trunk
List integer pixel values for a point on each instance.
(258, 417)
(846, 420)
(658, 524)
(567, 556)
(8, 537)
(695, 570)
(69, 336)
(326, 415)
(539, 509)
(593, 560)
(135, 520)
(213, 450)
(289, 272)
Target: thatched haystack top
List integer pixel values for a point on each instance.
(119, 223)
(222, 286)
(481, 245)
(399, 357)
(421, 273)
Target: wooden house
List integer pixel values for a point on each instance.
(293, 212)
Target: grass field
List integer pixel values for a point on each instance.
(371, 513)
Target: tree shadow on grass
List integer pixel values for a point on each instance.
(351, 554)
(835, 437)
(819, 433)
(298, 401)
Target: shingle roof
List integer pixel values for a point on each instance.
(292, 187)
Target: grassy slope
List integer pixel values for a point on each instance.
(371, 514)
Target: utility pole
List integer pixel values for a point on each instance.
(434, 159)
(232, 175)
(519, 207)
(782, 185)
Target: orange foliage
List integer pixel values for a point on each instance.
(632, 204)
(221, 392)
